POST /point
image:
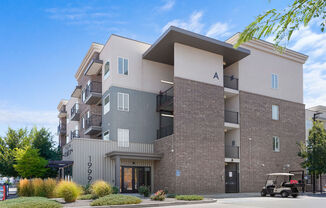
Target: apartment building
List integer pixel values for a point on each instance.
(188, 113)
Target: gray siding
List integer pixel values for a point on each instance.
(142, 120)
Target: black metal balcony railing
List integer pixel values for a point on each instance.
(231, 117)
(74, 111)
(93, 120)
(164, 131)
(61, 129)
(231, 151)
(165, 100)
(93, 87)
(231, 82)
(74, 134)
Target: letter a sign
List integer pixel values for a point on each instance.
(216, 76)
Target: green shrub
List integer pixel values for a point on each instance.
(87, 189)
(189, 197)
(25, 188)
(144, 190)
(171, 195)
(158, 196)
(87, 197)
(30, 202)
(116, 199)
(115, 190)
(49, 186)
(101, 188)
(68, 190)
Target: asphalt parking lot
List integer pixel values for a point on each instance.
(264, 202)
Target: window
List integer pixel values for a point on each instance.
(83, 123)
(275, 112)
(106, 135)
(123, 137)
(276, 144)
(274, 81)
(123, 101)
(123, 66)
(106, 70)
(106, 107)
(83, 95)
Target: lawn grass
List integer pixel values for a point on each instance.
(189, 197)
(116, 199)
(30, 202)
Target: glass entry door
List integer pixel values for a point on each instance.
(131, 178)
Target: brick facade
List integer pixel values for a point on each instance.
(257, 155)
(198, 140)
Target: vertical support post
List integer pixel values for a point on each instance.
(117, 171)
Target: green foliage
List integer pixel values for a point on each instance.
(87, 197)
(158, 196)
(29, 163)
(189, 197)
(67, 190)
(144, 190)
(101, 188)
(87, 189)
(28, 202)
(314, 152)
(115, 190)
(116, 199)
(171, 195)
(25, 188)
(283, 23)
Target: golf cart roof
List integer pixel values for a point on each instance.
(280, 174)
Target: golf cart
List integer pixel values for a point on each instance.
(280, 183)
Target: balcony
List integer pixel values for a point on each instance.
(77, 92)
(74, 134)
(75, 112)
(165, 100)
(231, 82)
(62, 112)
(232, 151)
(62, 129)
(93, 93)
(164, 131)
(93, 125)
(231, 117)
(94, 67)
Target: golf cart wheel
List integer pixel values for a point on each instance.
(263, 193)
(294, 195)
(284, 194)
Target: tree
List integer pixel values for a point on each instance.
(314, 152)
(29, 163)
(283, 23)
(8, 144)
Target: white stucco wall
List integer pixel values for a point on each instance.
(255, 75)
(142, 75)
(198, 65)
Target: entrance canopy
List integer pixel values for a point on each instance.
(59, 164)
(133, 155)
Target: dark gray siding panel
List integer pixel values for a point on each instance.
(142, 120)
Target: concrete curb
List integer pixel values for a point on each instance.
(160, 204)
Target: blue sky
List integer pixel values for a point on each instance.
(42, 43)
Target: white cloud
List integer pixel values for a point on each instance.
(168, 5)
(20, 118)
(193, 24)
(218, 29)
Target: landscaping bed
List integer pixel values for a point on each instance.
(116, 199)
(30, 202)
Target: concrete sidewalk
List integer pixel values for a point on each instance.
(232, 195)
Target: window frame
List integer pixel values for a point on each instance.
(276, 140)
(107, 106)
(123, 65)
(104, 136)
(107, 74)
(278, 112)
(124, 141)
(275, 81)
(123, 102)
